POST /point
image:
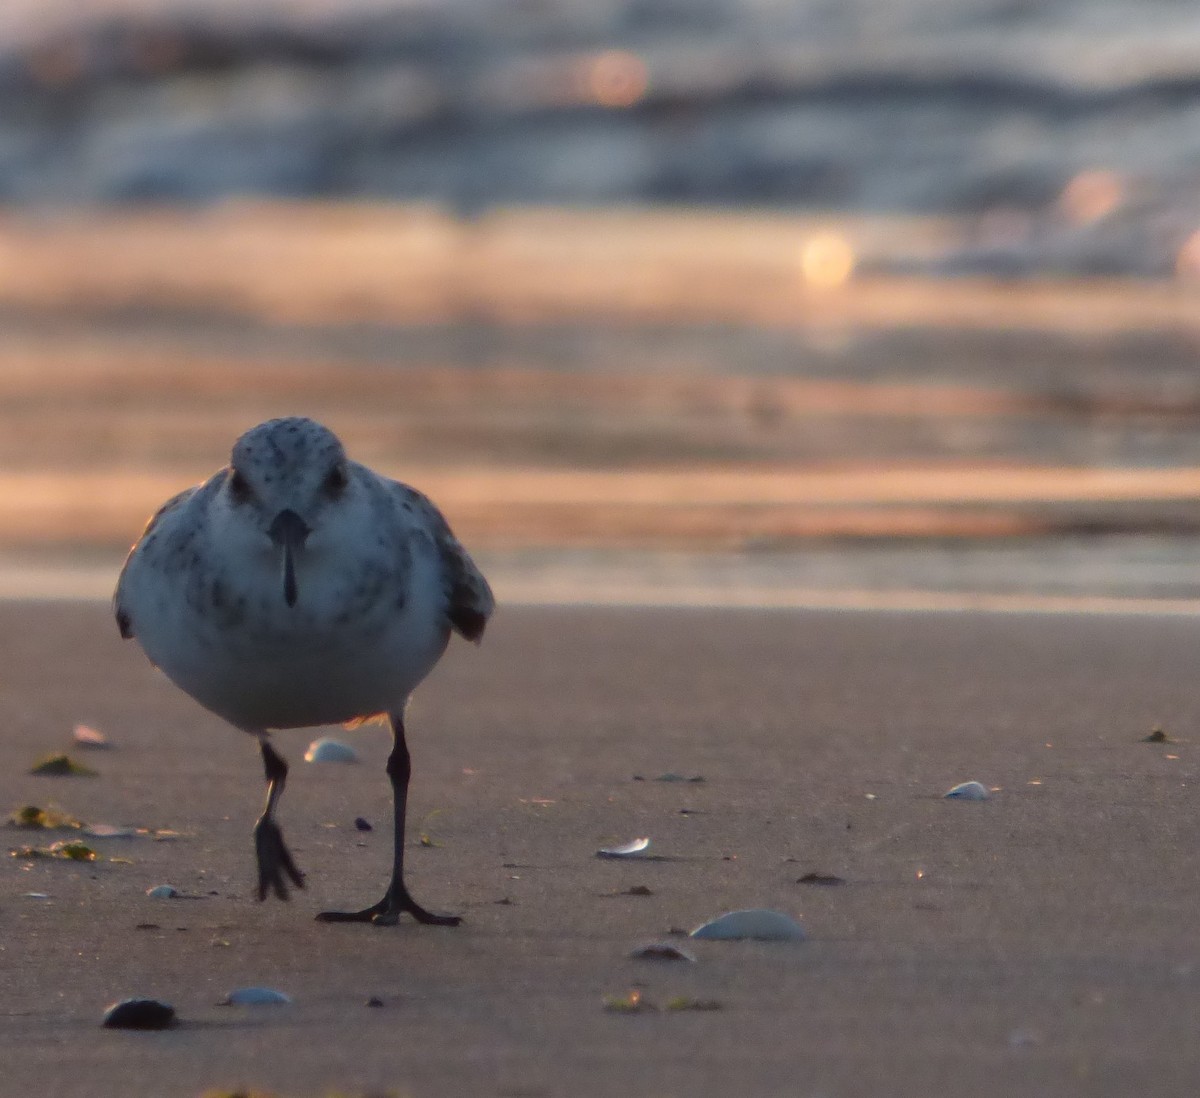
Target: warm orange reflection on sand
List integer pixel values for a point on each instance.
(325, 264)
(713, 507)
(99, 424)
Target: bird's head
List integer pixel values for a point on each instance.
(283, 476)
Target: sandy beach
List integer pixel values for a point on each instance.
(1043, 942)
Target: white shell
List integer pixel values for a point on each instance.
(256, 996)
(86, 736)
(630, 849)
(968, 791)
(326, 750)
(758, 923)
(162, 892)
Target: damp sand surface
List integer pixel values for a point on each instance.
(1043, 941)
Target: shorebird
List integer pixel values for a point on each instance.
(294, 588)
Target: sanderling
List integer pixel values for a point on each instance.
(296, 588)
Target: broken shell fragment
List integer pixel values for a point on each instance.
(630, 849)
(757, 923)
(86, 736)
(327, 750)
(139, 1014)
(256, 996)
(967, 791)
(661, 951)
(109, 831)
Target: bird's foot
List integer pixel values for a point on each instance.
(388, 911)
(275, 863)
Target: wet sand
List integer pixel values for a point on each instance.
(1047, 941)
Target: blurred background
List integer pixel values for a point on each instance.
(722, 300)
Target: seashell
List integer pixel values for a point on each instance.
(163, 892)
(757, 923)
(256, 996)
(109, 831)
(661, 951)
(630, 849)
(86, 736)
(968, 791)
(139, 1014)
(327, 750)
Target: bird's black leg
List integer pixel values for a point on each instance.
(275, 863)
(397, 899)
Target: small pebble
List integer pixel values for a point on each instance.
(163, 892)
(374, 1001)
(139, 1014)
(60, 766)
(757, 923)
(827, 879)
(362, 824)
(256, 996)
(327, 750)
(661, 951)
(967, 791)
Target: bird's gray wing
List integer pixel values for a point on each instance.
(123, 622)
(471, 599)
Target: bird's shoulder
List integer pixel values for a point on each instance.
(470, 596)
(155, 527)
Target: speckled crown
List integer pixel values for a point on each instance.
(286, 442)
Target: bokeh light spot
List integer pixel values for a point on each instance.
(1091, 196)
(1187, 259)
(617, 78)
(827, 260)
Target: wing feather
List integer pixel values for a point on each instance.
(471, 600)
(124, 624)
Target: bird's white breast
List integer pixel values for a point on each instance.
(369, 624)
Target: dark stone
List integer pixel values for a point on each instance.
(140, 1014)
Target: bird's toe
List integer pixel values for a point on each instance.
(276, 866)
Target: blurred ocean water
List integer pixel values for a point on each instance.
(730, 300)
(1066, 132)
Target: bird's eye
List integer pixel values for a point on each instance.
(239, 487)
(335, 481)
